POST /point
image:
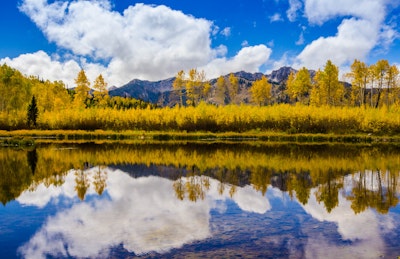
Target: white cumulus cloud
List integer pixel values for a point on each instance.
(319, 11)
(361, 30)
(36, 63)
(354, 40)
(144, 41)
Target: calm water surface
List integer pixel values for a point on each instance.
(200, 200)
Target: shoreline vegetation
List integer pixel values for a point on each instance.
(28, 138)
(279, 118)
(309, 109)
(205, 122)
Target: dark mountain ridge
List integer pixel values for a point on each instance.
(160, 91)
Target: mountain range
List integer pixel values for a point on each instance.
(160, 91)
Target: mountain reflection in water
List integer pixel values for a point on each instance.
(210, 200)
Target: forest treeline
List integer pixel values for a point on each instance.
(315, 104)
(373, 170)
(19, 92)
(375, 86)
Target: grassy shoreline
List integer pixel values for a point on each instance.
(29, 136)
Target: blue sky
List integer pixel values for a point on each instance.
(124, 39)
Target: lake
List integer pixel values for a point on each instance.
(191, 200)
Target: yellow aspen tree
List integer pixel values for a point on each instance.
(359, 80)
(302, 85)
(51, 96)
(201, 85)
(372, 79)
(261, 91)
(290, 87)
(331, 83)
(82, 90)
(391, 79)
(190, 88)
(195, 87)
(62, 98)
(233, 88)
(220, 91)
(5, 72)
(339, 95)
(330, 90)
(315, 95)
(100, 93)
(381, 68)
(15, 89)
(179, 85)
(47, 96)
(206, 91)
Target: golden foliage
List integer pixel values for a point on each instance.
(230, 118)
(261, 91)
(322, 167)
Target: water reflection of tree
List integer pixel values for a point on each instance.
(194, 187)
(360, 195)
(15, 174)
(260, 178)
(295, 169)
(179, 187)
(328, 192)
(32, 157)
(302, 185)
(297, 182)
(196, 184)
(364, 193)
(100, 180)
(82, 183)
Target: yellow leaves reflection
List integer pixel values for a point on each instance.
(195, 188)
(82, 184)
(375, 189)
(83, 180)
(192, 187)
(100, 180)
(297, 170)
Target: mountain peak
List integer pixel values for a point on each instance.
(248, 76)
(280, 75)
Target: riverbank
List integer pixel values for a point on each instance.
(28, 137)
(289, 119)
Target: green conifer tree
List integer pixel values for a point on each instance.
(33, 113)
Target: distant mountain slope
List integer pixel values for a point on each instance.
(280, 75)
(144, 90)
(159, 91)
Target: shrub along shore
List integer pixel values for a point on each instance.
(30, 137)
(208, 122)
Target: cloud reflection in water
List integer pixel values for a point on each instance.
(143, 214)
(362, 230)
